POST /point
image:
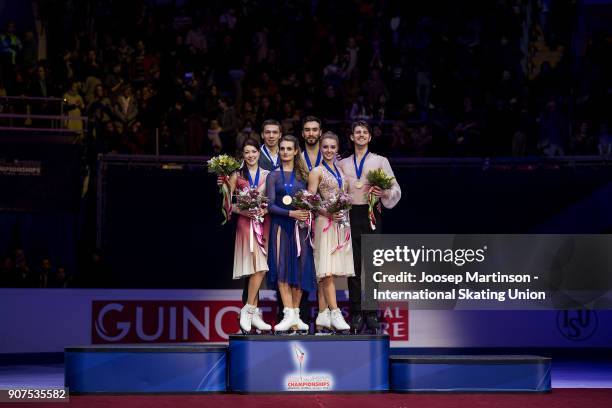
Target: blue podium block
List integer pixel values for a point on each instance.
(308, 363)
(470, 373)
(145, 369)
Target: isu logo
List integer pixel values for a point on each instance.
(166, 321)
(577, 325)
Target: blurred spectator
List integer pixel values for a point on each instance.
(58, 278)
(114, 80)
(467, 130)
(73, 105)
(331, 106)
(27, 278)
(553, 128)
(228, 120)
(605, 140)
(8, 274)
(125, 107)
(214, 137)
(99, 275)
(99, 108)
(361, 110)
(30, 50)
(41, 87)
(582, 142)
(421, 140)
(375, 88)
(10, 44)
(45, 272)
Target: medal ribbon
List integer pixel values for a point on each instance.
(335, 173)
(308, 162)
(253, 184)
(359, 170)
(288, 191)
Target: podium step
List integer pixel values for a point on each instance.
(467, 373)
(308, 363)
(145, 369)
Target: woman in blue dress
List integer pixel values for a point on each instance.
(290, 258)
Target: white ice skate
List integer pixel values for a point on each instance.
(299, 325)
(246, 318)
(286, 325)
(338, 323)
(258, 322)
(323, 322)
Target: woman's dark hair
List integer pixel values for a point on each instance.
(248, 142)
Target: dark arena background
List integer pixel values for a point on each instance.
(116, 271)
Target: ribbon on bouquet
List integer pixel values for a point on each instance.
(296, 229)
(373, 201)
(310, 229)
(226, 207)
(347, 235)
(256, 230)
(308, 224)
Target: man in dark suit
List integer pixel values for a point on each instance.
(271, 134)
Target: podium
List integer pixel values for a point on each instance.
(310, 363)
(137, 369)
(295, 364)
(470, 373)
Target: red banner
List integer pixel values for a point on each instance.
(198, 321)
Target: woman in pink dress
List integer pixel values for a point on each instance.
(333, 254)
(251, 246)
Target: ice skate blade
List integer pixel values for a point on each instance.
(290, 332)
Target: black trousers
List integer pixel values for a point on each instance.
(359, 225)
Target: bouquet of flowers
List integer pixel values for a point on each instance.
(305, 200)
(339, 204)
(223, 166)
(377, 178)
(251, 200)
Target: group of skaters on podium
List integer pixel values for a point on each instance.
(300, 250)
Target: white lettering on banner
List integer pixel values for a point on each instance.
(172, 328)
(163, 321)
(124, 326)
(139, 324)
(398, 330)
(219, 320)
(189, 317)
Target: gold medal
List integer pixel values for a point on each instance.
(287, 200)
(358, 184)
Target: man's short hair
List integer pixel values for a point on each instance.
(272, 122)
(311, 119)
(361, 123)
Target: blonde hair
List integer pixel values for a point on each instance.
(330, 135)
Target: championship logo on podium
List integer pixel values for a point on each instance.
(305, 381)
